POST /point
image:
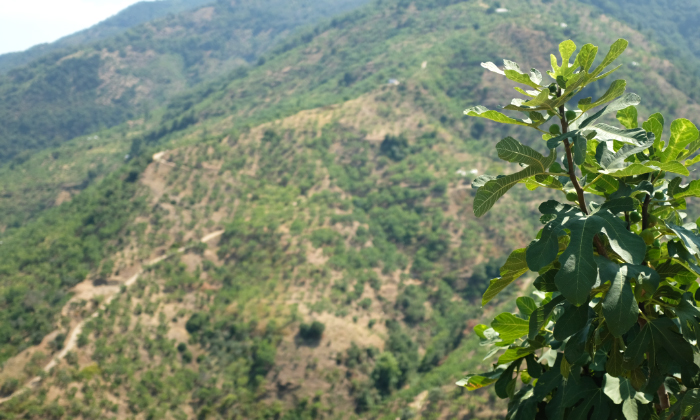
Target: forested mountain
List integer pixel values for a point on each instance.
(341, 264)
(133, 15)
(74, 91)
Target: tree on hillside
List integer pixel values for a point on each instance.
(612, 331)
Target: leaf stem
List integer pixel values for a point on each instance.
(645, 212)
(572, 174)
(592, 182)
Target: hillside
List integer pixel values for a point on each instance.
(342, 265)
(75, 91)
(133, 15)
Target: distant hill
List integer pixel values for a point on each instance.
(70, 92)
(133, 15)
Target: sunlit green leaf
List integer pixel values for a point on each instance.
(586, 56)
(628, 117)
(473, 382)
(626, 100)
(683, 132)
(616, 89)
(512, 355)
(510, 327)
(647, 168)
(514, 268)
(539, 318)
(526, 305)
(483, 112)
(616, 49)
(655, 125)
(635, 136)
(511, 150)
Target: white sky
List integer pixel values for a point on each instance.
(24, 23)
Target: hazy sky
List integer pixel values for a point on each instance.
(24, 23)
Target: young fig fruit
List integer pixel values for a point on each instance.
(554, 129)
(659, 195)
(653, 220)
(572, 196)
(635, 217)
(570, 115)
(649, 236)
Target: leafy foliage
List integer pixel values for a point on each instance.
(612, 330)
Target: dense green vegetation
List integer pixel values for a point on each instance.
(348, 276)
(612, 332)
(68, 93)
(41, 261)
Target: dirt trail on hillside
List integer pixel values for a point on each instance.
(72, 341)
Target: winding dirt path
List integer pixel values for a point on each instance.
(72, 340)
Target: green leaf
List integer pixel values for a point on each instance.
(647, 168)
(690, 190)
(635, 136)
(514, 268)
(619, 205)
(634, 355)
(492, 67)
(630, 247)
(545, 282)
(618, 389)
(474, 382)
(587, 397)
(647, 278)
(578, 271)
(526, 305)
(505, 380)
(539, 318)
(620, 307)
(628, 117)
(690, 404)
(510, 327)
(626, 100)
(688, 315)
(511, 150)
(692, 161)
(615, 161)
(579, 149)
(586, 56)
(616, 49)
(683, 132)
(483, 112)
(512, 355)
(665, 335)
(614, 365)
(543, 251)
(616, 89)
(690, 240)
(655, 125)
(566, 50)
(675, 271)
(521, 78)
(571, 321)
